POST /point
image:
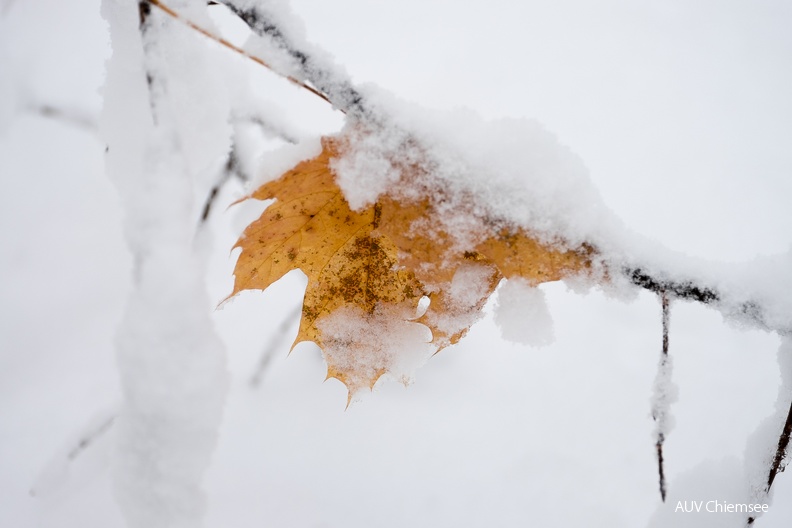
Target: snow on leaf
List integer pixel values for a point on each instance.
(370, 268)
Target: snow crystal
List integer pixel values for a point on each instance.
(522, 314)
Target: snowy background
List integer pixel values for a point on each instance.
(681, 114)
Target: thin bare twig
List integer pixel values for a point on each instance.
(777, 465)
(781, 450)
(90, 437)
(267, 127)
(215, 191)
(663, 365)
(70, 116)
(230, 169)
(273, 346)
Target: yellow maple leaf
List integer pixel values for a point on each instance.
(370, 268)
(311, 227)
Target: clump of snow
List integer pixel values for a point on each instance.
(522, 314)
(364, 172)
(469, 285)
(360, 344)
(508, 170)
(664, 394)
(765, 283)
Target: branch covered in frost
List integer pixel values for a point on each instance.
(664, 395)
(270, 22)
(230, 169)
(749, 311)
(781, 450)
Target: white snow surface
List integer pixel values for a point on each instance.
(679, 130)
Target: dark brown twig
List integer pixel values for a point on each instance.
(73, 117)
(231, 168)
(91, 436)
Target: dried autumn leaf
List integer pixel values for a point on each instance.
(310, 227)
(368, 269)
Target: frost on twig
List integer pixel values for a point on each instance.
(303, 60)
(665, 393)
(781, 455)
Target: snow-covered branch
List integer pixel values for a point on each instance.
(271, 20)
(171, 361)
